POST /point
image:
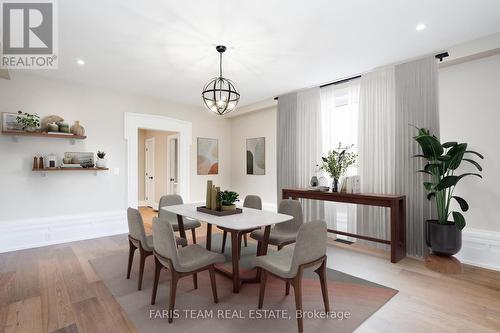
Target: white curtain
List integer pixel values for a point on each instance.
(416, 104)
(299, 144)
(339, 122)
(390, 100)
(377, 119)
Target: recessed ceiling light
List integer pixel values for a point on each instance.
(420, 27)
(80, 62)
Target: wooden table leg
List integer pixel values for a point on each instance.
(180, 223)
(263, 248)
(209, 236)
(398, 230)
(236, 262)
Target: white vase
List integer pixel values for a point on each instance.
(101, 163)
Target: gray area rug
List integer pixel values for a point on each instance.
(352, 300)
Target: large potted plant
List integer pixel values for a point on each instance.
(336, 162)
(444, 235)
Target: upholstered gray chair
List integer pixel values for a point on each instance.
(283, 233)
(288, 264)
(175, 199)
(181, 262)
(138, 239)
(251, 201)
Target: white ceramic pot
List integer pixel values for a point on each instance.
(101, 163)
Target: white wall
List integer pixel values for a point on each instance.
(252, 125)
(25, 195)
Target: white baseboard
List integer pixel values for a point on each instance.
(142, 203)
(30, 233)
(480, 248)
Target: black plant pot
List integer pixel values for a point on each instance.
(443, 239)
(335, 185)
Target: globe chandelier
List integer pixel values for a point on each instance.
(220, 94)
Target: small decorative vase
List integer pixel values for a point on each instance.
(53, 127)
(314, 181)
(228, 207)
(64, 128)
(101, 163)
(77, 129)
(335, 185)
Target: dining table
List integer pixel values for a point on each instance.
(236, 225)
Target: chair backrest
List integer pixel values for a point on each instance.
(164, 241)
(310, 244)
(136, 225)
(252, 201)
(169, 200)
(293, 208)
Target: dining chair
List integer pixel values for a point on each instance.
(175, 199)
(181, 262)
(289, 264)
(283, 233)
(138, 239)
(251, 201)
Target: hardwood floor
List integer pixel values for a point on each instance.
(54, 289)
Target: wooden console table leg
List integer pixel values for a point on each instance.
(402, 228)
(398, 232)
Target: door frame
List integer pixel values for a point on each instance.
(150, 200)
(169, 138)
(135, 121)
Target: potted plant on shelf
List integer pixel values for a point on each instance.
(336, 162)
(28, 122)
(227, 200)
(101, 161)
(443, 236)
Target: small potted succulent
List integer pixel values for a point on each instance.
(28, 122)
(101, 161)
(227, 200)
(336, 162)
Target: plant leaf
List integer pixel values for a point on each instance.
(456, 154)
(449, 144)
(425, 171)
(475, 153)
(430, 145)
(419, 155)
(428, 186)
(459, 220)
(464, 206)
(446, 182)
(430, 195)
(474, 162)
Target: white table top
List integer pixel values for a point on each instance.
(250, 218)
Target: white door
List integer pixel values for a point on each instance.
(149, 169)
(173, 164)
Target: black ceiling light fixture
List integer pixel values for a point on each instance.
(220, 94)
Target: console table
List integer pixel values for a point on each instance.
(396, 203)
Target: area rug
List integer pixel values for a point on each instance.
(352, 300)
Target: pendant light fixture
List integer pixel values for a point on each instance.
(220, 94)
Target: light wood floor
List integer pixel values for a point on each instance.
(54, 289)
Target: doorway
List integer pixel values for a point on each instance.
(158, 166)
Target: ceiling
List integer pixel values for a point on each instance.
(166, 48)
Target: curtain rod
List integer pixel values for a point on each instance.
(439, 56)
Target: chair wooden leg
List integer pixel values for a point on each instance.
(321, 271)
(195, 281)
(259, 244)
(280, 247)
(297, 290)
(212, 281)
(193, 233)
(158, 266)
(131, 252)
(141, 267)
(245, 240)
(287, 288)
(173, 291)
(224, 237)
(263, 280)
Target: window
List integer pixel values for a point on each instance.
(339, 119)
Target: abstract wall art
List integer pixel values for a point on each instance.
(208, 156)
(256, 156)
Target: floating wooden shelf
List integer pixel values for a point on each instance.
(69, 169)
(45, 135)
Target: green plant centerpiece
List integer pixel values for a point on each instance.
(444, 236)
(227, 199)
(29, 122)
(336, 163)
